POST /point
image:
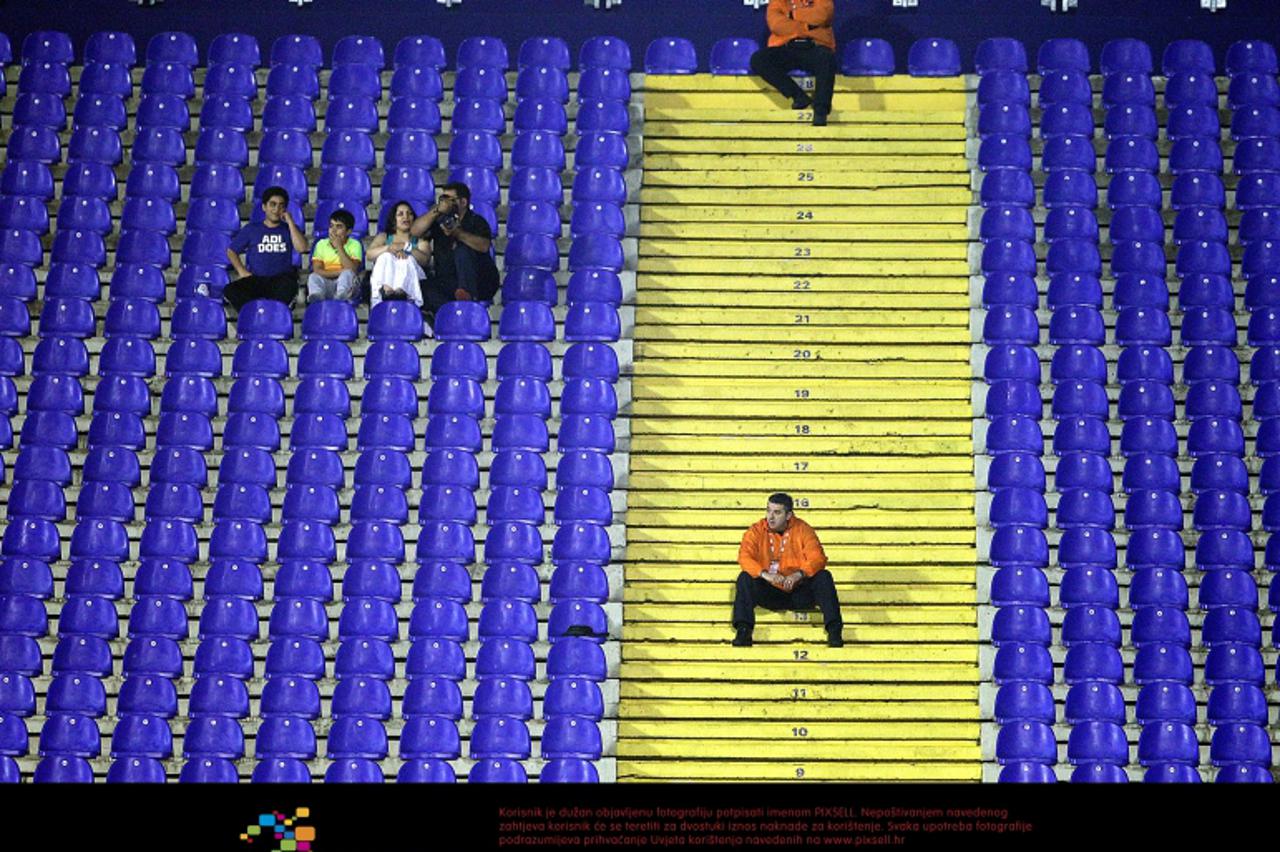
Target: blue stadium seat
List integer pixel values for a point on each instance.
(43, 77)
(1237, 703)
(85, 654)
(35, 180)
(293, 80)
(429, 737)
(544, 51)
(61, 769)
(1251, 56)
(1026, 742)
(208, 770)
(70, 735)
(517, 504)
(1160, 625)
(161, 110)
(168, 78)
(285, 112)
(94, 144)
(230, 80)
(513, 542)
(1190, 88)
(933, 57)
(1166, 702)
(136, 770)
(1097, 742)
(1065, 87)
(1059, 54)
(414, 113)
(1188, 55)
(667, 55)
(1240, 744)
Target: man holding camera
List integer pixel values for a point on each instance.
(800, 37)
(462, 269)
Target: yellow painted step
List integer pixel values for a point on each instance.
(801, 442)
(800, 412)
(690, 771)
(718, 635)
(864, 390)
(902, 672)
(801, 692)
(639, 772)
(919, 517)
(798, 484)
(896, 554)
(801, 212)
(842, 711)
(816, 197)
(727, 83)
(904, 356)
(928, 233)
(805, 460)
(923, 514)
(811, 730)
(798, 368)
(879, 161)
(944, 109)
(822, 283)
(851, 593)
(799, 749)
(790, 428)
(796, 247)
(814, 655)
(802, 335)
(852, 615)
(729, 132)
(804, 267)
(796, 147)
(826, 506)
(802, 181)
(832, 539)
(802, 315)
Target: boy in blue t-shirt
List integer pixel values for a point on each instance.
(269, 269)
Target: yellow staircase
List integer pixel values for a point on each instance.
(802, 325)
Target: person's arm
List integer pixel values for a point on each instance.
(748, 553)
(780, 21)
(296, 236)
(813, 557)
(378, 247)
(349, 263)
(816, 17)
(318, 267)
(477, 242)
(237, 264)
(424, 222)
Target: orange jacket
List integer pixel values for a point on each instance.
(790, 19)
(797, 549)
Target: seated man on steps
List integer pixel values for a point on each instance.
(271, 247)
(800, 37)
(335, 261)
(462, 269)
(783, 567)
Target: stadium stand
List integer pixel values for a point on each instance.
(992, 331)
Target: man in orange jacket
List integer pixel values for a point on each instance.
(783, 567)
(800, 36)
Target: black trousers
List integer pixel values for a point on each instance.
(775, 65)
(817, 591)
(473, 271)
(282, 288)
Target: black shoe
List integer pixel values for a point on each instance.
(835, 639)
(743, 638)
(801, 101)
(819, 119)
